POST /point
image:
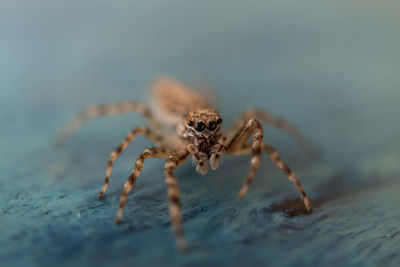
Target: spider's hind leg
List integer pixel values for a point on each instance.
(173, 162)
(96, 111)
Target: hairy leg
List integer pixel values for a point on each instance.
(277, 122)
(172, 163)
(156, 152)
(273, 154)
(252, 127)
(96, 111)
(124, 144)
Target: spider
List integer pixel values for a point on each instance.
(183, 123)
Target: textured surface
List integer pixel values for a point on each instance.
(333, 69)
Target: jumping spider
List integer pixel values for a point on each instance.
(198, 134)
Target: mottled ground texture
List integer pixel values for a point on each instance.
(331, 68)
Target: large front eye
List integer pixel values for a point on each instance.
(212, 125)
(200, 126)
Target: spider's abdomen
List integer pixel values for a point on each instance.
(172, 100)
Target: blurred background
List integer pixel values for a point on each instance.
(332, 68)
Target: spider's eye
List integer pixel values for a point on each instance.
(219, 121)
(212, 125)
(190, 123)
(200, 126)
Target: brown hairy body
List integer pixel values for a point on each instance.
(182, 123)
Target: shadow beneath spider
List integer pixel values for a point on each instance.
(339, 186)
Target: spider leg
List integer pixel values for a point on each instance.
(254, 127)
(124, 144)
(173, 162)
(273, 154)
(276, 159)
(279, 123)
(155, 152)
(96, 111)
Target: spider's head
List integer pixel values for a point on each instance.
(204, 123)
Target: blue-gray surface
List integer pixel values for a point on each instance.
(333, 68)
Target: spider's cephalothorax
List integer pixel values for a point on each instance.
(175, 105)
(203, 129)
(203, 124)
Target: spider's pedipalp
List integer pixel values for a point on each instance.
(198, 159)
(216, 153)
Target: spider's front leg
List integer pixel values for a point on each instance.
(155, 152)
(278, 122)
(255, 128)
(173, 162)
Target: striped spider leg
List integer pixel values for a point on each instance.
(255, 128)
(155, 152)
(95, 111)
(278, 122)
(173, 162)
(147, 132)
(238, 146)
